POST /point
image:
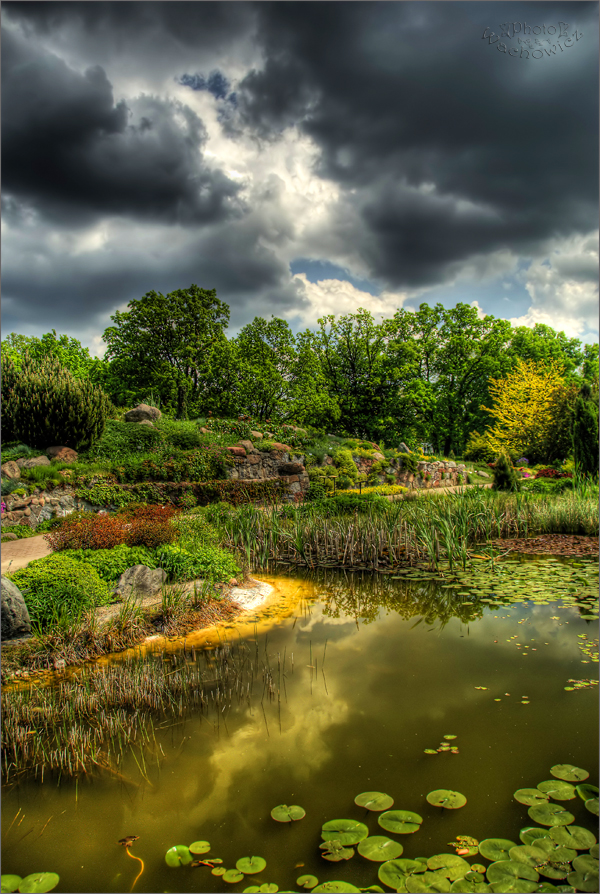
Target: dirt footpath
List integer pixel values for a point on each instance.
(18, 553)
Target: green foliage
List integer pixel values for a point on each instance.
(265, 445)
(342, 458)
(238, 427)
(547, 485)
(341, 504)
(169, 342)
(43, 404)
(585, 433)
(409, 462)
(57, 583)
(203, 464)
(505, 477)
(120, 440)
(204, 561)
(479, 449)
(67, 351)
(10, 486)
(13, 450)
(103, 491)
(111, 563)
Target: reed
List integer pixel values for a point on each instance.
(440, 530)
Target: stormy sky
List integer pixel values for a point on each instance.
(302, 158)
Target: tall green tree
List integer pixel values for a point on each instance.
(279, 377)
(167, 343)
(585, 432)
(456, 353)
(363, 365)
(68, 351)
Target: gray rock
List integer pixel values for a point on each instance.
(290, 469)
(485, 474)
(142, 412)
(15, 617)
(34, 461)
(402, 447)
(9, 536)
(140, 581)
(11, 469)
(451, 464)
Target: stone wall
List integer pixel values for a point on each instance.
(251, 464)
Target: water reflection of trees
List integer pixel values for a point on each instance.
(363, 596)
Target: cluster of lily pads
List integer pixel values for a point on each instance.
(552, 849)
(35, 883)
(444, 746)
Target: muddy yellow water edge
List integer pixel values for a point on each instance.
(340, 684)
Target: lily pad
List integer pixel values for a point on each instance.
(586, 791)
(445, 798)
(449, 865)
(395, 872)
(374, 801)
(429, 881)
(307, 881)
(218, 870)
(334, 851)
(594, 851)
(269, 888)
(496, 849)
(232, 876)
(401, 822)
(592, 805)
(10, 883)
(379, 848)
(575, 837)
(199, 847)
(569, 773)
(335, 888)
(508, 871)
(179, 855)
(585, 864)
(557, 789)
(253, 889)
(528, 854)
(250, 865)
(550, 815)
(530, 796)
(584, 881)
(466, 886)
(284, 814)
(344, 830)
(38, 883)
(450, 737)
(531, 834)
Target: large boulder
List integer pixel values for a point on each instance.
(403, 448)
(34, 461)
(256, 434)
(62, 454)
(11, 469)
(290, 469)
(139, 581)
(15, 617)
(142, 412)
(237, 451)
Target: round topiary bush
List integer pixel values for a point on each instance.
(57, 584)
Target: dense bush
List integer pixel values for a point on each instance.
(44, 404)
(478, 449)
(204, 561)
(122, 439)
(547, 486)
(202, 464)
(57, 584)
(409, 462)
(346, 466)
(505, 477)
(240, 427)
(86, 530)
(341, 504)
(111, 563)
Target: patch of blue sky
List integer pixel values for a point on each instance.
(216, 83)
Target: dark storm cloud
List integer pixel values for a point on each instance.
(68, 148)
(398, 95)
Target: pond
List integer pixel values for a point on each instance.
(350, 684)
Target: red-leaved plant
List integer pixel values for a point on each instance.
(145, 526)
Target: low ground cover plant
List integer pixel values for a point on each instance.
(149, 526)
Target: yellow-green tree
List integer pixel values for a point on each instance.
(532, 405)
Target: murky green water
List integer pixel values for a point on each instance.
(370, 688)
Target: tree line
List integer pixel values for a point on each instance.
(423, 376)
